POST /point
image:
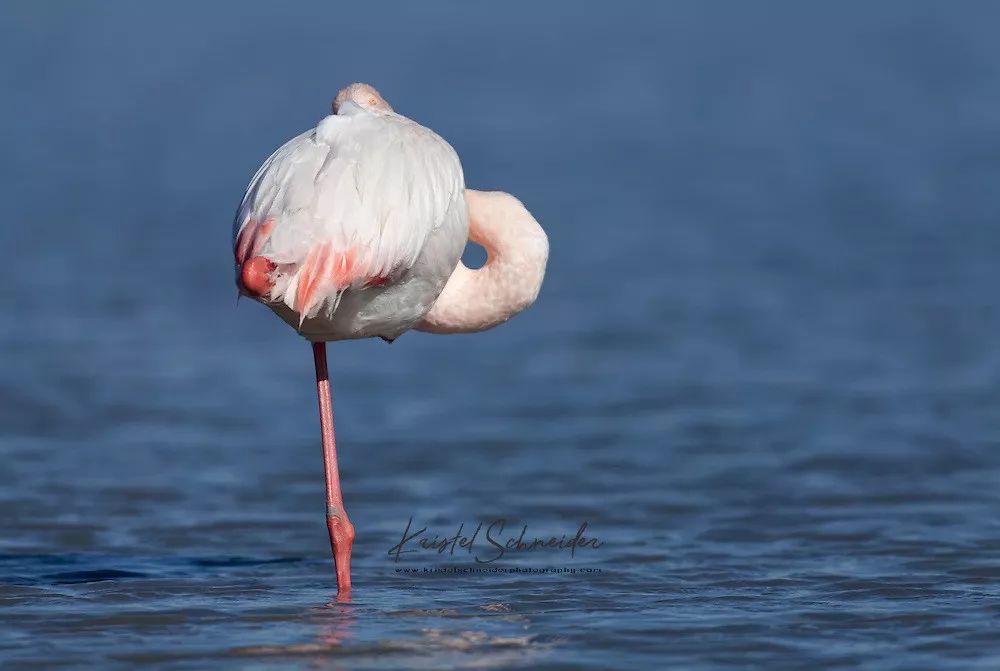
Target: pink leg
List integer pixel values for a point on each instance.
(341, 529)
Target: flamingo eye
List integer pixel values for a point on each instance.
(372, 101)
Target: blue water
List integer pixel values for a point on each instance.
(764, 368)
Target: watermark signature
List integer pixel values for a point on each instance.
(466, 570)
(488, 543)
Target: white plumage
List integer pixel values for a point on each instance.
(363, 219)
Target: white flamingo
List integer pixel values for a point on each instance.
(355, 229)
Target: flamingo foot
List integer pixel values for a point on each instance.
(341, 541)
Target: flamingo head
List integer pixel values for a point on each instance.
(362, 95)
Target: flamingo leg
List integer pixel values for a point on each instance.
(341, 529)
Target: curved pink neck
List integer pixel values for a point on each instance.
(516, 253)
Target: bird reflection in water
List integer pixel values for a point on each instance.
(337, 636)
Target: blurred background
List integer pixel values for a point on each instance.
(764, 365)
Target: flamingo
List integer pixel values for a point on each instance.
(356, 228)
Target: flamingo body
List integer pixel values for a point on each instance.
(352, 229)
